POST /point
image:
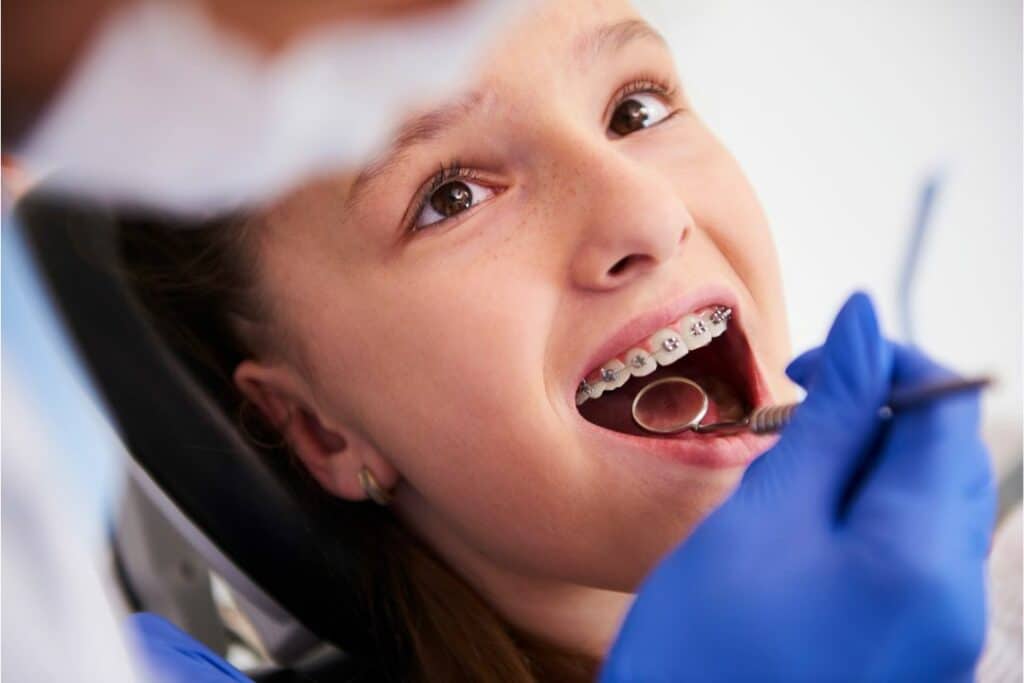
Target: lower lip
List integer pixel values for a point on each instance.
(712, 452)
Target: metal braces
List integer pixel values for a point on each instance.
(719, 316)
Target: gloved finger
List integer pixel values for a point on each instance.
(957, 414)
(835, 427)
(802, 368)
(933, 473)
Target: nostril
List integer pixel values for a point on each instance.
(620, 266)
(631, 262)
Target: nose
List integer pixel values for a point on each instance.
(632, 220)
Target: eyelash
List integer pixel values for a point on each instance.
(454, 170)
(645, 83)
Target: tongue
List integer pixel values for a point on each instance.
(614, 409)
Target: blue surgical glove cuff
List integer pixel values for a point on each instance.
(175, 657)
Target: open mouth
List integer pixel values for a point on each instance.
(707, 346)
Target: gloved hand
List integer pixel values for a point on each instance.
(852, 550)
(173, 656)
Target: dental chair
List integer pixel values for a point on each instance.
(198, 497)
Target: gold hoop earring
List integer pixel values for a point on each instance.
(372, 489)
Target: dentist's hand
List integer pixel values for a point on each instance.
(852, 550)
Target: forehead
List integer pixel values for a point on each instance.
(557, 38)
(556, 31)
(562, 37)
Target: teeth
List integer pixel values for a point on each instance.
(640, 362)
(695, 331)
(588, 390)
(717, 319)
(612, 374)
(667, 345)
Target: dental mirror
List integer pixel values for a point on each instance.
(676, 404)
(670, 405)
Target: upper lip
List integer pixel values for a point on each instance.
(642, 326)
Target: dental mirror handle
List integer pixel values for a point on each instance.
(771, 419)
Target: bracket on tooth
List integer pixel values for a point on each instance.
(638, 361)
(608, 375)
(721, 315)
(698, 328)
(583, 392)
(670, 344)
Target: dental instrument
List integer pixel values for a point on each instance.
(677, 404)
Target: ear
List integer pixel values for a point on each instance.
(331, 452)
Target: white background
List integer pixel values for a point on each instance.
(839, 112)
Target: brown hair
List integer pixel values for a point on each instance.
(425, 622)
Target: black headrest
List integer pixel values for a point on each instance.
(246, 504)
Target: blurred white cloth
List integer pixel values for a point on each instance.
(167, 110)
(1001, 660)
(60, 474)
(57, 623)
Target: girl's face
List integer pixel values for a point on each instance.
(437, 313)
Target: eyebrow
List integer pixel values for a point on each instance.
(416, 131)
(429, 126)
(614, 37)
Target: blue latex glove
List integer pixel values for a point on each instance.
(175, 657)
(852, 550)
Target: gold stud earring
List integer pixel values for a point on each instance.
(372, 489)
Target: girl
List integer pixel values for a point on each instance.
(452, 337)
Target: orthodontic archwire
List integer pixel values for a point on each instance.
(721, 314)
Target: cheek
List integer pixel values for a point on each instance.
(457, 348)
(448, 381)
(725, 207)
(728, 210)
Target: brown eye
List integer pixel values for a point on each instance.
(640, 110)
(452, 198)
(629, 116)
